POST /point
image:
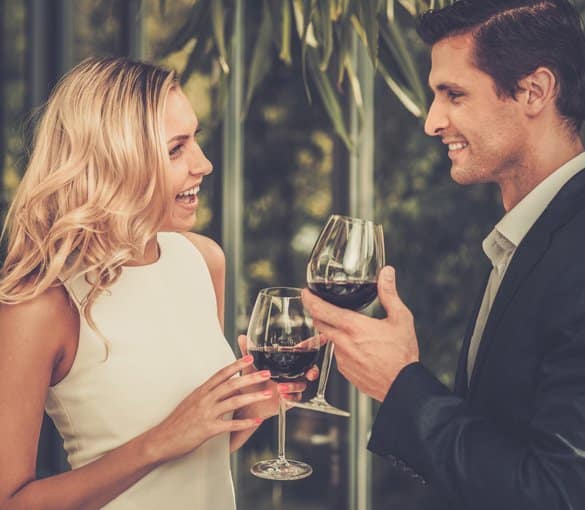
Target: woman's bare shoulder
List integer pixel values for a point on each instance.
(211, 251)
(45, 326)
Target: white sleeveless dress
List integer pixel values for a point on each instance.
(165, 340)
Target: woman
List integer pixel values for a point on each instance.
(111, 317)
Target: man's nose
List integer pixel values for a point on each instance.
(436, 120)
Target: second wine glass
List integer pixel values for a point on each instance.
(343, 269)
(282, 339)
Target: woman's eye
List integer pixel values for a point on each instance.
(454, 95)
(175, 151)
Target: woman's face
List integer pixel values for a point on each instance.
(188, 163)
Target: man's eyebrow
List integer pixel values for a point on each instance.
(445, 86)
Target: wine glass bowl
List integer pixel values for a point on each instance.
(346, 259)
(343, 270)
(281, 338)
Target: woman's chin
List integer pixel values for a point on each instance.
(179, 223)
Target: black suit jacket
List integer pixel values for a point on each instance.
(515, 438)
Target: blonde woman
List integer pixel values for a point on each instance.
(111, 314)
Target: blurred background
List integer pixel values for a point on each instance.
(283, 164)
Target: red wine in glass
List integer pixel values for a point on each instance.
(285, 363)
(352, 294)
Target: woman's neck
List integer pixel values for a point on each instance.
(150, 256)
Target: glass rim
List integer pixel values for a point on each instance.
(353, 219)
(286, 292)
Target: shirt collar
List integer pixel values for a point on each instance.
(498, 249)
(518, 221)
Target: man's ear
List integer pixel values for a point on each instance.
(538, 90)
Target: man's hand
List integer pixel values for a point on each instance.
(369, 352)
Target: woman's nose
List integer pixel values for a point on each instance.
(199, 163)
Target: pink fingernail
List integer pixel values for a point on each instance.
(283, 387)
(267, 393)
(265, 373)
(258, 420)
(248, 359)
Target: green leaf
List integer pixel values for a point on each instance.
(367, 21)
(390, 10)
(327, 93)
(298, 11)
(308, 7)
(285, 24)
(218, 22)
(357, 26)
(423, 5)
(281, 22)
(355, 84)
(198, 17)
(392, 37)
(405, 97)
(344, 38)
(338, 9)
(195, 59)
(261, 57)
(222, 95)
(410, 6)
(326, 25)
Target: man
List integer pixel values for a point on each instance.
(509, 84)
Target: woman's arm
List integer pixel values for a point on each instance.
(34, 339)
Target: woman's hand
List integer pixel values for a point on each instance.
(199, 417)
(291, 391)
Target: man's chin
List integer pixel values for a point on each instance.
(463, 176)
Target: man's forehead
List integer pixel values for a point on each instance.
(452, 62)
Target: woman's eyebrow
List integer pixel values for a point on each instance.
(183, 136)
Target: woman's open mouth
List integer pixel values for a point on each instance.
(189, 196)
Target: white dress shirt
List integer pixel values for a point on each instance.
(501, 243)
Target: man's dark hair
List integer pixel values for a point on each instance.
(515, 37)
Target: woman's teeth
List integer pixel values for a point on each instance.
(457, 146)
(188, 195)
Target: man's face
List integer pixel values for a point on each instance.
(486, 134)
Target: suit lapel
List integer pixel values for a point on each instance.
(527, 255)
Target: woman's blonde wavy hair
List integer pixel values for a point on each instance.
(95, 190)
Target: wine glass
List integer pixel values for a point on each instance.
(281, 338)
(343, 269)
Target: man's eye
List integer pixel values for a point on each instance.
(175, 151)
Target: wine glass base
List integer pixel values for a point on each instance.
(276, 469)
(322, 406)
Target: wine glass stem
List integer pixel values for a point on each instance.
(281, 429)
(325, 369)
